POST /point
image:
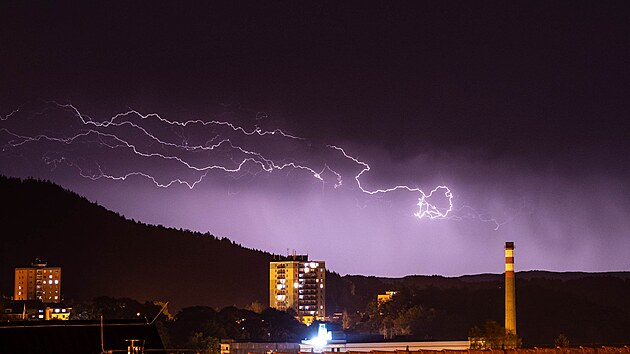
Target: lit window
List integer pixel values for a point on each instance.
(321, 286)
(56, 281)
(56, 297)
(50, 276)
(20, 287)
(57, 310)
(41, 316)
(295, 285)
(19, 293)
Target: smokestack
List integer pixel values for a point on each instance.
(510, 290)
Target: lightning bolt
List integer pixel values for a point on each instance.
(149, 145)
(426, 209)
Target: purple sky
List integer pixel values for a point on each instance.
(518, 108)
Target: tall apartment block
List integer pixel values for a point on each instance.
(299, 284)
(38, 282)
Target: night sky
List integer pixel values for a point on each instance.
(520, 109)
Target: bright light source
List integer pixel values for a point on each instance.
(319, 342)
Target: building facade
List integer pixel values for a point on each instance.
(38, 282)
(299, 284)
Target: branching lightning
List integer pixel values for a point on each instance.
(140, 135)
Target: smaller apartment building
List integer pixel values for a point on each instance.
(38, 282)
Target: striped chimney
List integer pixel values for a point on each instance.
(510, 290)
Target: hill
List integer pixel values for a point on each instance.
(102, 253)
(591, 309)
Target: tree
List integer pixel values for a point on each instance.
(191, 320)
(492, 336)
(346, 321)
(561, 341)
(257, 307)
(208, 344)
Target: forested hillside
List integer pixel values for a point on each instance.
(103, 254)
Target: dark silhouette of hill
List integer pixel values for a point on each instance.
(589, 308)
(102, 253)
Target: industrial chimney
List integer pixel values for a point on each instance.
(510, 291)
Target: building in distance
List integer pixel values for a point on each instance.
(298, 283)
(383, 298)
(38, 282)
